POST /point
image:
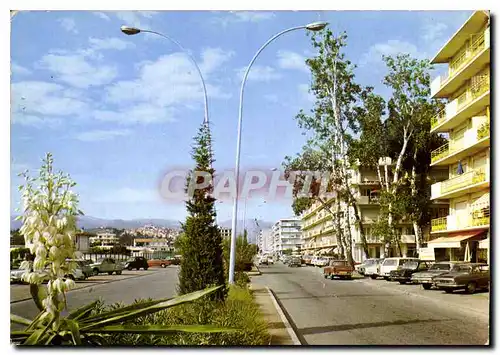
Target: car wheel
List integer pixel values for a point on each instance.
(386, 278)
(325, 275)
(426, 286)
(118, 272)
(373, 277)
(448, 290)
(110, 272)
(129, 268)
(471, 288)
(137, 268)
(144, 268)
(163, 265)
(96, 272)
(402, 282)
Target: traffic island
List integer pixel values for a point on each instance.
(279, 328)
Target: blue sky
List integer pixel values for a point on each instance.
(118, 111)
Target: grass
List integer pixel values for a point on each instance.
(239, 311)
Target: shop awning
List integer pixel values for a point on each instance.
(453, 241)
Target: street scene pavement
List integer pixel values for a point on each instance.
(131, 285)
(375, 312)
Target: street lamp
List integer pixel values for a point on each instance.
(315, 26)
(130, 31)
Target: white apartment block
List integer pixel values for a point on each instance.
(287, 234)
(104, 239)
(225, 232)
(265, 241)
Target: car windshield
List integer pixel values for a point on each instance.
(412, 265)
(390, 262)
(440, 267)
(130, 259)
(461, 268)
(100, 261)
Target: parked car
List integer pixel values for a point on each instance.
(270, 260)
(369, 266)
(307, 259)
(468, 277)
(263, 260)
(176, 260)
(425, 278)
(294, 261)
(16, 274)
(322, 262)
(338, 268)
(84, 266)
(158, 262)
(403, 274)
(106, 265)
(390, 264)
(138, 262)
(285, 259)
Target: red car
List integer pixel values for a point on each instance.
(159, 262)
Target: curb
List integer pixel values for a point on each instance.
(81, 288)
(284, 319)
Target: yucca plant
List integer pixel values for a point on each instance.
(82, 327)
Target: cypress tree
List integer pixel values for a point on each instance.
(201, 248)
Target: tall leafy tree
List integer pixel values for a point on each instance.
(201, 244)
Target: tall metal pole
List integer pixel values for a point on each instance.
(232, 255)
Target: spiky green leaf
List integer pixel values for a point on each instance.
(20, 320)
(158, 329)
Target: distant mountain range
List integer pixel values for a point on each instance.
(88, 222)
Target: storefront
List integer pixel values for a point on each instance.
(459, 247)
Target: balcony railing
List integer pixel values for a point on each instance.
(439, 224)
(463, 180)
(483, 131)
(480, 215)
(440, 153)
(476, 45)
(480, 86)
(440, 117)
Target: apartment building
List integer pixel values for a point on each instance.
(287, 235)
(463, 233)
(225, 232)
(265, 241)
(319, 231)
(104, 239)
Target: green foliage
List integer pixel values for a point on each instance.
(201, 246)
(287, 252)
(245, 253)
(94, 324)
(16, 238)
(239, 311)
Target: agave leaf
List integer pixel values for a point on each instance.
(160, 329)
(75, 331)
(152, 309)
(121, 310)
(80, 312)
(36, 323)
(33, 338)
(19, 320)
(49, 339)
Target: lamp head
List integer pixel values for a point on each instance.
(130, 30)
(316, 26)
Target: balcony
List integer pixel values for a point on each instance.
(463, 66)
(478, 218)
(473, 141)
(367, 200)
(321, 217)
(468, 182)
(473, 100)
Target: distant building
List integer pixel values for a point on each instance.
(287, 234)
(104, 239)
(265, 241)
(225, 232)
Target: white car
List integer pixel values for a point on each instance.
(16, 274)
(369, 267)
(324, 261)
(314, 260)
(390, 264)
(270, 260)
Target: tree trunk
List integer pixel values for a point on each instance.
(339, 231)
(413, 182)
(359, 222)
(348, 237)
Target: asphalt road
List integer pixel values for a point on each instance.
(374, 312)
(155, 283)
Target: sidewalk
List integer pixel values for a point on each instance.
(277, 329)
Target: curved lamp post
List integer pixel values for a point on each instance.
(316, 26)
(133, 31)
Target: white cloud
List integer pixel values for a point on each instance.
(136, 18)
(68, 24)
(19, 70)
(102, 135)
(38, 103)
(102, 15)
(115, 43)
(162, 86)
(390, 48)
(432, 30)
(260, 73)
(77, 71)
(242, 16)
(292, 60)
(272, 98)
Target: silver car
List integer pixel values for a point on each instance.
(426, 278)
